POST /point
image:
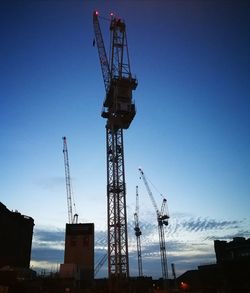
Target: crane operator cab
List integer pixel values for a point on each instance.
(118, 106)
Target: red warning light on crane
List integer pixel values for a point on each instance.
(96, 12)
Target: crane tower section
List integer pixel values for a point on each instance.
(119, 110)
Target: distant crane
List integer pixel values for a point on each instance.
(100, 263)
(72, 219)
(162, 219)
(119, 110)
(174, 274)
(138, 234)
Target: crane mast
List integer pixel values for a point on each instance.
(119, 111)
(162, 220)
(138, 234)
(72, 219)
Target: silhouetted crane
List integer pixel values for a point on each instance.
(119, 110)
(71, 219)
(162, 220)
(138, 234)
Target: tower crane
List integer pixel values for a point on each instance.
(100, 264)
(72, 219)
(119, 111)
(138, 234)
(162, 219)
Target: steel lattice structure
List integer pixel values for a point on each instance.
(72, 219)
(162, 219)
(138, 234)
(68, 180)
(119, 110)
(116, 201)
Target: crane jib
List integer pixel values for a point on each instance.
(102, 52)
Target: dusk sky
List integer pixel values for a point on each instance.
(190, 134)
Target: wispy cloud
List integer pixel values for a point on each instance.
(189, 225)
(189, 243)
(48, 254)
(47, 249)
(50, 183)
(240, 233)
(200, 224)
(47, 236)
(51, 239)
(44, 266)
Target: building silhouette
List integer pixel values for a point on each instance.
(79, 252)
(16, 232)
(237, 249)
(231, 273)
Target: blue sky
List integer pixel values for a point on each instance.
(190, 134)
